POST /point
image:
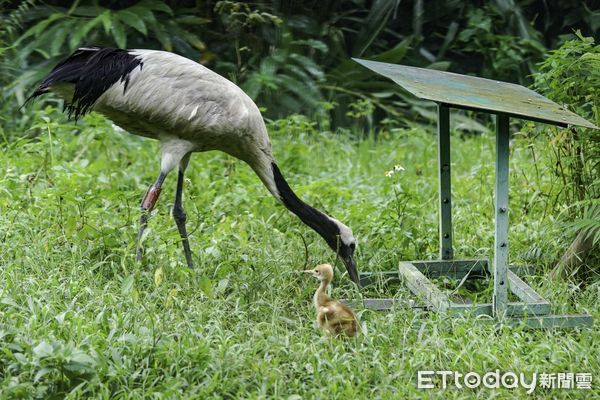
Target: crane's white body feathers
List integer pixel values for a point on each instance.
(188, 108)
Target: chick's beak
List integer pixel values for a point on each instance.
(351, 268)
(310, 271)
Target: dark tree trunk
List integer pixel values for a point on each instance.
(574, 256)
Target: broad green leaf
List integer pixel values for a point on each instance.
(41, 373)
(118, 33)
(81, 358)
(131, 19)
(350, 70)
(59, 37)
(300, 90)
(86, 11)
(106, 18)
(44, 349)
(378, 17)
(156, 5)
(163, 38)
(191, 38)
(308, 65)
(39, 27)
(83, 31)
(144, 13)
(315, 44)
(450, 35)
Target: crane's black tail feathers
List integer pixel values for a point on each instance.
(92, 70)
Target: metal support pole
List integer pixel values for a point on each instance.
(446, 252)
(501, 215)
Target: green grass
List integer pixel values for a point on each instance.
(79, 318)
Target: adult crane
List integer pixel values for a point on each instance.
(187, 108)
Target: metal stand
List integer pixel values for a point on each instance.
(532, 310)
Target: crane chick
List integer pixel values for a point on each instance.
(333, 317)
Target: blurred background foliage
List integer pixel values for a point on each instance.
(294, 59)
(570, 76)
(294, 56)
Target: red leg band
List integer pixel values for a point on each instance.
(150, 198)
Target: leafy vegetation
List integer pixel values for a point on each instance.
(80, 318)
(295, 56)
(570, 77)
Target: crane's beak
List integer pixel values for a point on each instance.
(310, 271)
(351, 268)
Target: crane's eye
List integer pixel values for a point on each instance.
(353, 246)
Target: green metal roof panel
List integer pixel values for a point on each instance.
(476, 93)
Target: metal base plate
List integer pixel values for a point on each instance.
(531, 310)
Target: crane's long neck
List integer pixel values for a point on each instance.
(321, 297)
(317, 220)
(263, 164)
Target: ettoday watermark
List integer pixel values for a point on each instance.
(509, 380)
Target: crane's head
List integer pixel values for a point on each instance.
(323, 272)
(344, 244)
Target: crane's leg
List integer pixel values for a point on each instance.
(147, 205)
(178, 212)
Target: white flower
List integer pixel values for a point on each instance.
(398, 168)
(389, 173)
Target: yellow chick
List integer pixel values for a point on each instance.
(332, 316)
